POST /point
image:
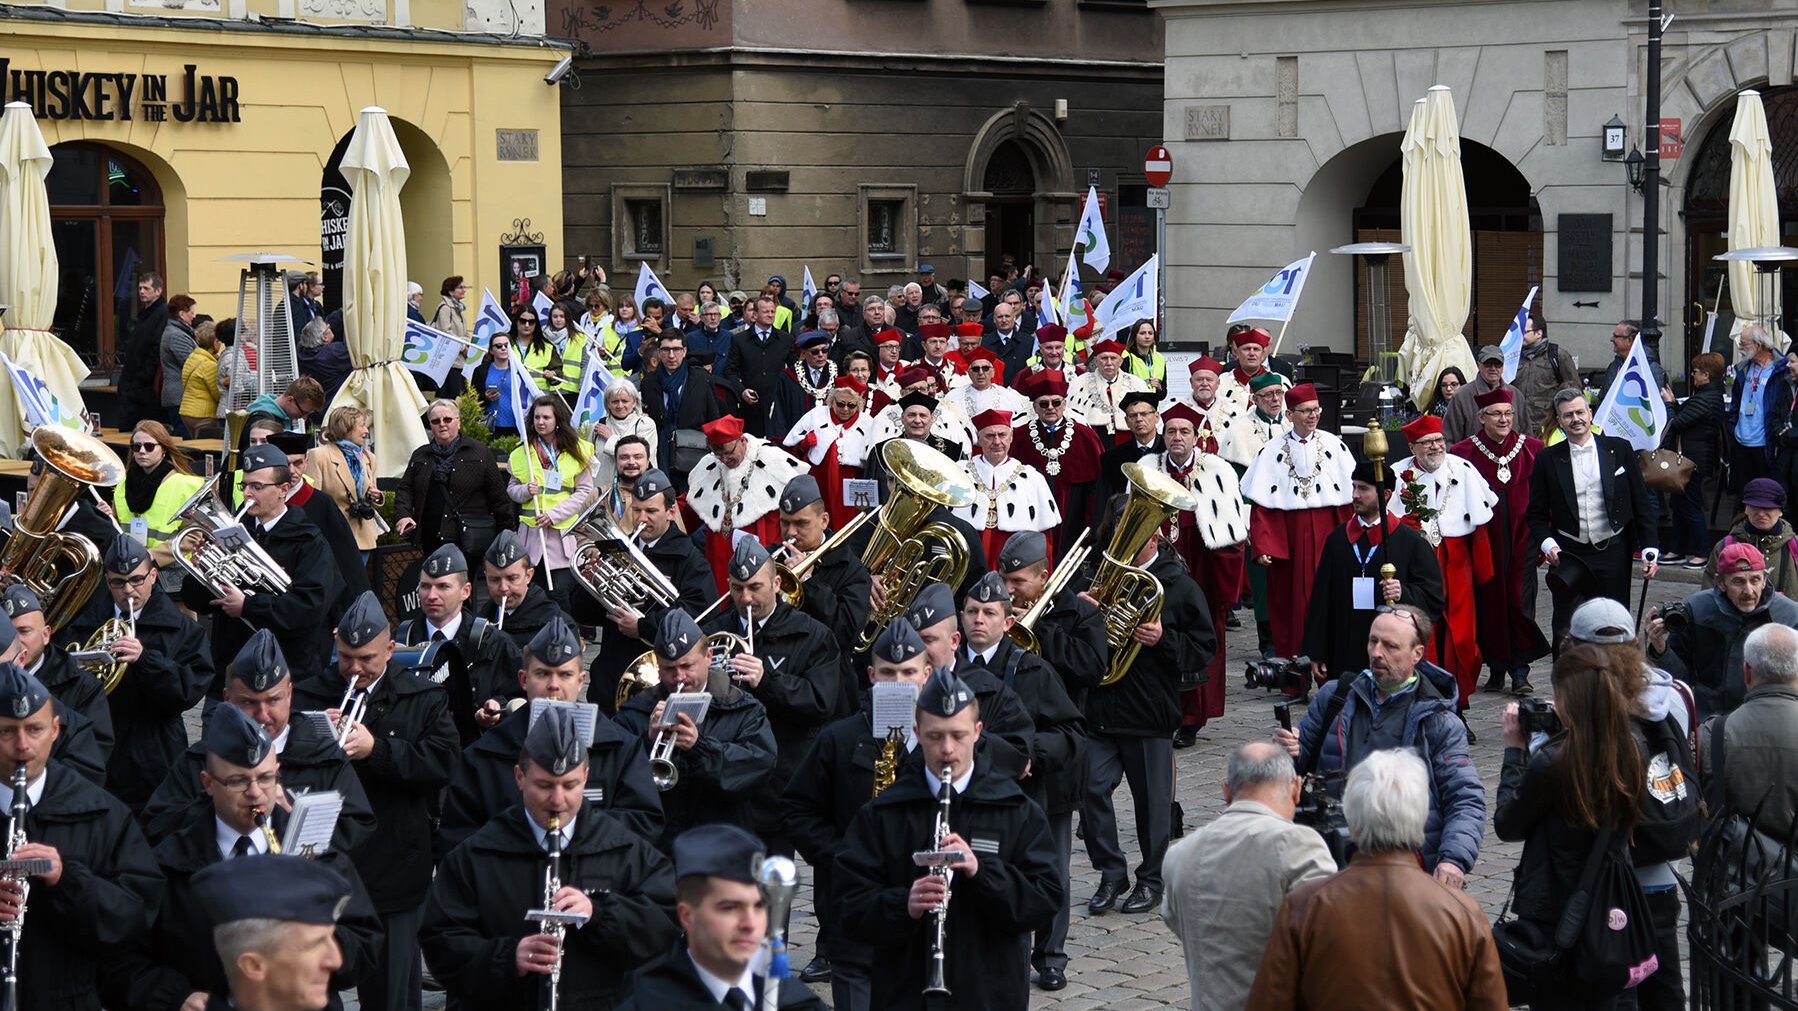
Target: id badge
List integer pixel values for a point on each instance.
(140, 530)
(1748, 408)
(1361, 592)
(552, 480)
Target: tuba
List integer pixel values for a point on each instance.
(609, 565)
(199, 548)
(908, 549)
(62, 568)
(1023, 631)
(1130, 596)
(95, 655)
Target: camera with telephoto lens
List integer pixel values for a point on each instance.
(1321, 811)
(1280, 673)
(1675, 615)
(1538, 717)
(363, 509)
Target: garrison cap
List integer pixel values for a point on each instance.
(990, 589)
(363, 621)
(747, 559)
(272, 886)
(124, 554)
(556, 642)
(1022, 550)
(554, 743)
(505, 550)
(944, 694)
(233, 736)
(717, 851)
(898, 642)
(260, 665)
(934, 604)
(676, 634)
(799, 493)
(444, 561)
(649, 484)
(20, 601)
(265, 455)
(20, 693)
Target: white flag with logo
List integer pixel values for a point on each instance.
(1091, 233)
(650, 286)
(524, 391)
(1279, 297)
(1512, 345)
(429, 351)
(590, 406)
(1046, 311)
(1632, 408)
(37, 403)
(1130, 301)
(489, 320)
(808, 290)
(977, 290)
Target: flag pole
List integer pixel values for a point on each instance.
(531, 468)
(1277, 339)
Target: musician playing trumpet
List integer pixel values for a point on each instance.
(1005, 882)
(475, 936)
(71, 686)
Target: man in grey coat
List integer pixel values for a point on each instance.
(1225, 882)
(1462, 417)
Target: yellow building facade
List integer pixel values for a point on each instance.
(182, 140)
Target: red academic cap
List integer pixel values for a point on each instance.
(1422, 428)
(992, 418)
(1303, 393)
(725, 430)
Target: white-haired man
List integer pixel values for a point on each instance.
(1755, 380)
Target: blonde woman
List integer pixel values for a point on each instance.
(343, 467)
(158, 482)
(624, 416)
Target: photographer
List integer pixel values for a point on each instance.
(1402, 701)
(1701, 641)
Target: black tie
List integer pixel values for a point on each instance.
(256, 529)
(242, 848)
(437, 636)
(737, 999)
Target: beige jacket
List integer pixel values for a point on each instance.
(326, 469)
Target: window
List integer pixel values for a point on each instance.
(640, 222)
(889, 228)
(644, 217)
(106, 213)
(883, 227)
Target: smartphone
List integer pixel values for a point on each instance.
(1283, 713)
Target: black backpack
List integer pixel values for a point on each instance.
(1611, 928)
(1672, 813)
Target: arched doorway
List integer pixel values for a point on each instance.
(1707, 210)
(106, 213)
(1010, 210)
(424, 207)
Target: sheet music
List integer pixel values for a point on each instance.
(586, 715)
(895, 705)
(312, 822)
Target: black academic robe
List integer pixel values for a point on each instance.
(674, 555)
(300, 618)
(719, 774)
(1335, 632)
(1111, 466)
(672, 984)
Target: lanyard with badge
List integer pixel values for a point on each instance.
(1755, 375)
(1361, 587)
(552, 475)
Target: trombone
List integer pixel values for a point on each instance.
(1023, 631)
(792, 579)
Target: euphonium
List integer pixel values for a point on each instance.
(1023, 631)
(642, 674)
(609, 565)
(1130, 596)
(62, 568)
(95, 655)
(908, 549)
(791, 580)
(197, 549)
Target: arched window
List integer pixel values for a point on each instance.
(107, 214)
(1707, 208)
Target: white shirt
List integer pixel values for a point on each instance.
(281, 739)
(34, 791)
(960, 785)
(542, 834)
(269, 524)
(983, 659)
(718, 986)
(228, 836)
(449, 631)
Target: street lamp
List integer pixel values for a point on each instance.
(1635, 166)
(1613, 139)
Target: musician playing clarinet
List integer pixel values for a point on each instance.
(1004, 885)
(476, 938)
(102, 883)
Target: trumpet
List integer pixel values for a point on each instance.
(95, 655)
(349, 711)
(199, 550)
(792, 579)
(1023, 631)
(610, 565)
(62, 568)
(267, 826)
(1130, 596)
(908, 549)
(940, 868)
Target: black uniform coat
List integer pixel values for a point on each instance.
(1070, 636)
(299, 618)
(77, 746)
(81, 692)
(310, 761)
(1145, 702)
(991, 915)
(674, 555)
(1059, 745)
(482, 784)
(109, 892)
(493, 666)
(352, 572)
(837, 597)
(157, 970)
(1111, 464)
(801, 686)
(528, 618)
(734, 753)
(1335, 632)
(146, 708)
(415, 745)
(671, 984)
(475, 916)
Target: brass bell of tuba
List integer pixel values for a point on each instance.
(1129, 596)
(908, 549)
(198, 550)
(62, 568)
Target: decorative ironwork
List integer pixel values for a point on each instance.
(1742, 917)
(883, 227)
(1707, 192)
(1008, 170)
(521, 233)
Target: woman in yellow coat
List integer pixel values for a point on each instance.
(343, 467)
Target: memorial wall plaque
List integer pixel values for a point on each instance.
(1585, 242)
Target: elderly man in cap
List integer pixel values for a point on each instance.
(1251, 361)
(168, 667)
(1009, 495)
(475, 932)
(720, 759)
(1204, 373)
(650, 512)
(889, 345)
(944, 427)
(849, 762)
(736, 490)
(724, 915)
(492, 657)
(402, 747)
(1705, 650)
(246, 813)
(1065, 452)
(618, 781)
(1299, 489)
(1005, 881)
(1763, 524)
(834, 438)
(256, 682)
(1462, 416)
(1245, 431)
(1141, 437)
(983, 391)
(1446, 499)
(274, 928)
(56, 669)
(814, 372)
(1505, 605)
(296, 545)
(519, 606)
(836, 587)
(102, 885)
(1096, 398)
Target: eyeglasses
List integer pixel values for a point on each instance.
(1307, 411)
(980, 368)
(145, 447)
(444, 420)
(241, 784)
(1401, 612)
(121, 582)
(259, 485)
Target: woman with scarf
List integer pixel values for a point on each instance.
(560, 334)
(551, 479)
(493, 378)
(453, 491)
(343, 467)
(158, 482)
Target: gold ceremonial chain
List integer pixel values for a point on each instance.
(886, 767)
(725, 481)
(1304, 481)
(1051, 457)
(1504, 462)
(992, 494)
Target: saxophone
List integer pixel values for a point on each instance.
(886, 767)
(267, 825)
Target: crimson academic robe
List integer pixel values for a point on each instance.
(1076, 484)
(1508, 637)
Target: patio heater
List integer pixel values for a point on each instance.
(1768, 261)
(264, 318)
(1379, 302)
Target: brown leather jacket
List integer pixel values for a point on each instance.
(1381, 936)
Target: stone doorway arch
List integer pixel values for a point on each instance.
(1018, 189)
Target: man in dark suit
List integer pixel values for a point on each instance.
(1586, 503)
(1008, 340)
(677, 395)
(759, 354)
(1143, 415)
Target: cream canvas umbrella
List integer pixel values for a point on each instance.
(1439, 267)
(374, 293)
(28, 273)
(1753, 209)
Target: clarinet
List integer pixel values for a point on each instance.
(552, 883)
(15, 931)
(940, 916)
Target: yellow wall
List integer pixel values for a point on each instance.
(254, 185)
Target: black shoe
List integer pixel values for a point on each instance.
(1104, 897)
(1142, 900)
(816, 971)
(1230, 621)
(1186, 737)
(1051, 979)
(1522, 686)
(1495, 682)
